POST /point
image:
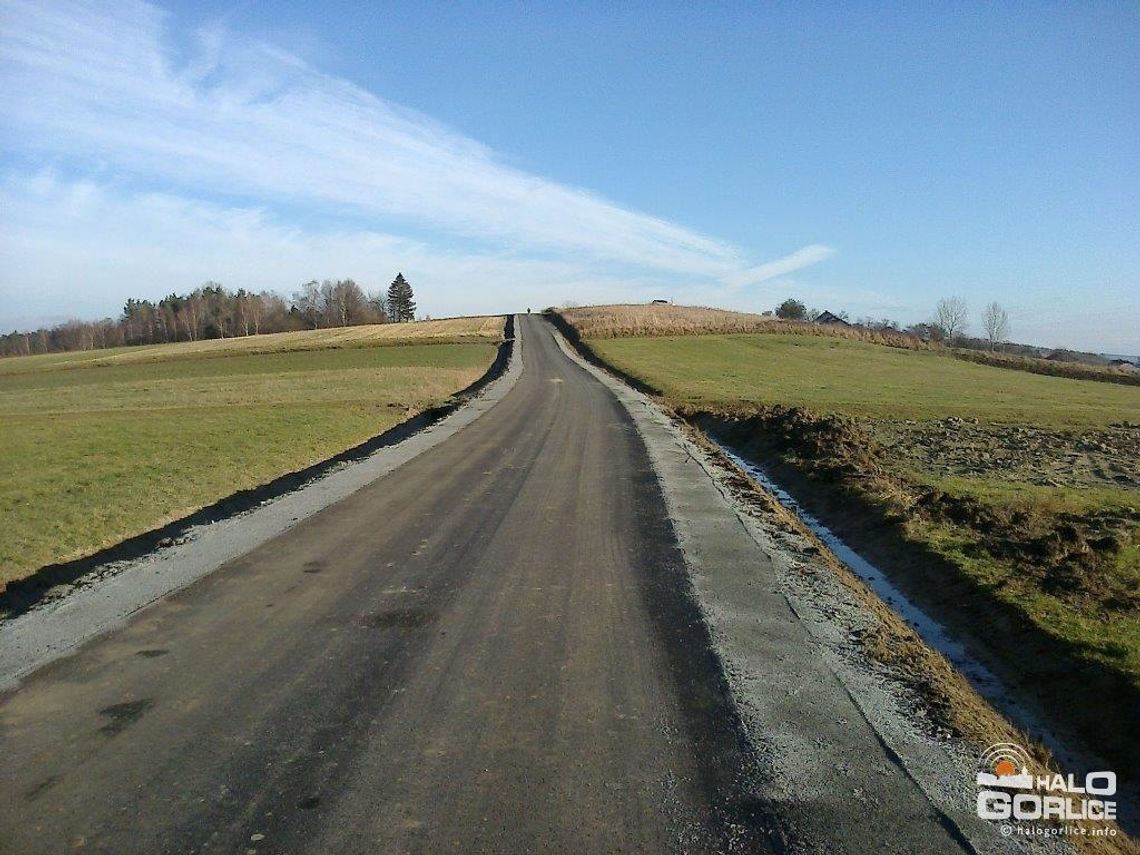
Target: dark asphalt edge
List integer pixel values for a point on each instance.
(24, 594)
(784, 837)
(747, 807)
(693, 422)
(685, 634)
(583, 349)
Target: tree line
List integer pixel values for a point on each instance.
(948, 324)
(213, 311)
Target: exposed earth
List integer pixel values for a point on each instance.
(1046, 457)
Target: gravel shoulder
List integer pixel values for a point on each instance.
(847, 750)
(490, 649)
(111, 594)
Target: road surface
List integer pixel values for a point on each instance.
(489, 649)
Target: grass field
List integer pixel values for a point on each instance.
(1019, 491)
(443, 331)
(652, 320)
(100, 446)
(899, 395)
(854, 377)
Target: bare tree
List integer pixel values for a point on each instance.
(308, 304)
(995, 321)
(255, 308)
(951, 314)
(210, 311)
(349, 304)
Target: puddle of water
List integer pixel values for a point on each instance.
(930, 630)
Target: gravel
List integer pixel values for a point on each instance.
(844, 747)
(62, 624)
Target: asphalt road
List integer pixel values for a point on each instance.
(489, 649)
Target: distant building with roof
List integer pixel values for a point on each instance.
(827, 318)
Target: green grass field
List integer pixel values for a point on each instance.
(101, 446)
(856, 378)
(1046, 454)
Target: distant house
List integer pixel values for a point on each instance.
(830, 319)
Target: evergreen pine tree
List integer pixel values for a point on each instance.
(401, 306)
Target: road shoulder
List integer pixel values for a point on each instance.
(848, 759)
(121, 589)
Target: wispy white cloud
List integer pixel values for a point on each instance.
(59, 233)
(109, 87)
(798, 260)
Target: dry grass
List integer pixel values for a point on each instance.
(661, 320)
(487, 329)
(647, 321)
(1072, 370)
(656, 320)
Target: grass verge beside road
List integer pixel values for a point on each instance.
(101, 446)
(624, 321)
(859, 379)
(1003, 502)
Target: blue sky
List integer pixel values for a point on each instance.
(863, 157)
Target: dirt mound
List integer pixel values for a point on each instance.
(1072, 556)
(1059, 458)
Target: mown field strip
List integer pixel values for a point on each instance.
(445, 331)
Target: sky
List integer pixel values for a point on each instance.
(862, 157)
